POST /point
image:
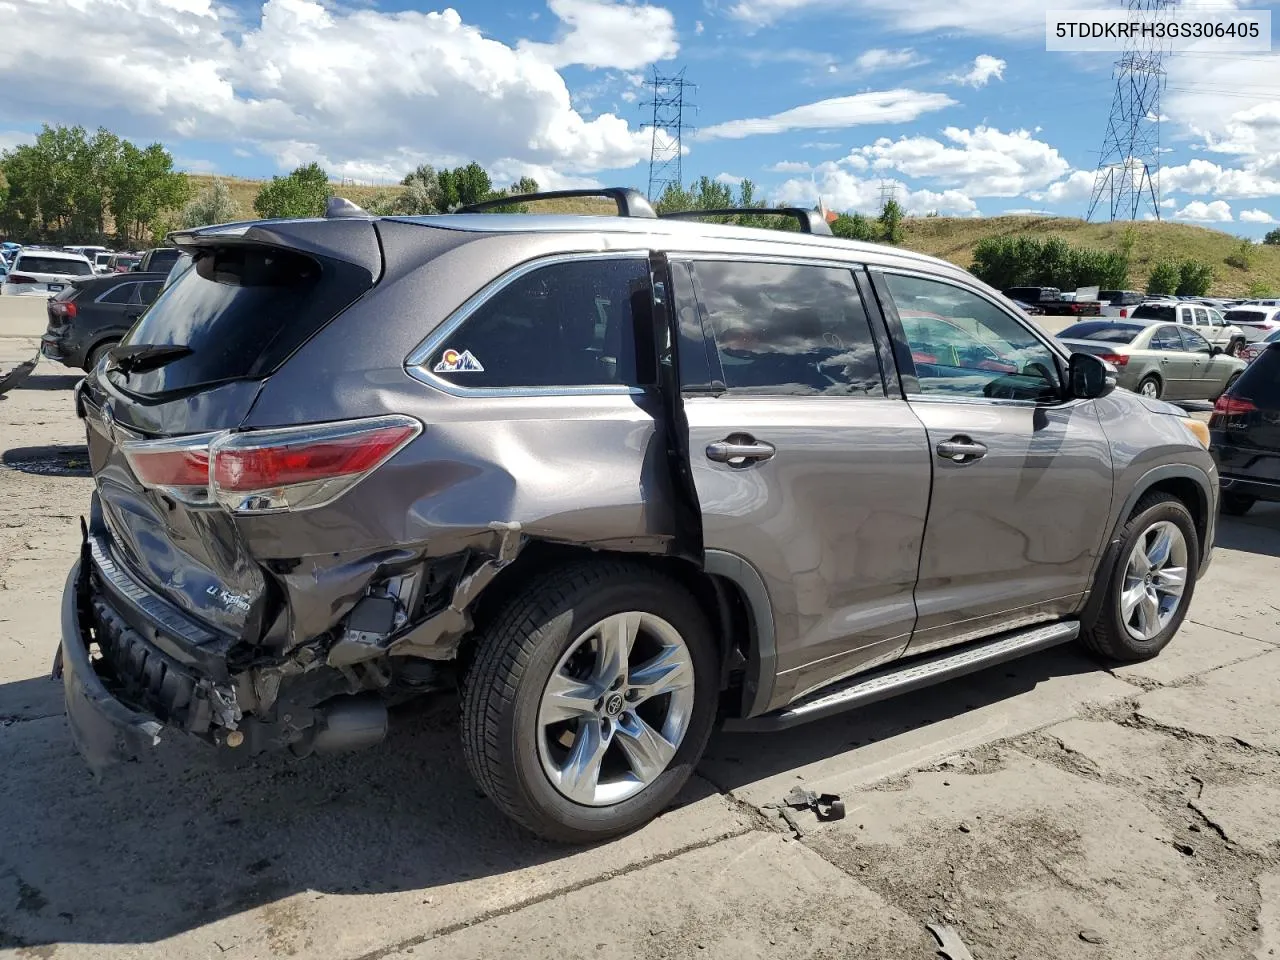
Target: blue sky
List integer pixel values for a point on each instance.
(956, 102)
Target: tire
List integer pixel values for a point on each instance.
(1150, 386)
(96, 354)
(1234, 347)
(539, 632)
(1110, 635)
(1231, 382)
(1237, 504)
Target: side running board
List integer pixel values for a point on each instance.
(863, 689)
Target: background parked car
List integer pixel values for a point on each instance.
(1245, 435)
(90, 316)
(1208, 321)
(1113, 301)
(158, 260)
(1256, 322)
(1251, 351)
(123, 262)
(1164, 360)
(42, 273)
(1030, 309)
(102, 262)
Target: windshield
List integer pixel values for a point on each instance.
(66, 268)
(240, 311)
(1107, 332)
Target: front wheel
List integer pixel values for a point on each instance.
(590, 699)
(1152, 583)
(1150, 387)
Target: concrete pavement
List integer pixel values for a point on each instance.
(22, 316)
(1046, 808)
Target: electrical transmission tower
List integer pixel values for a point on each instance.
(1128, 176)
(888, 191)
(666, 150)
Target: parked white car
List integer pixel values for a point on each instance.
(1256, 321)
(43, 273)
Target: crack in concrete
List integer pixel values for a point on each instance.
(1237, 633)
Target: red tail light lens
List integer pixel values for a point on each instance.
(63, 308)
(180, 468)
(300, 468)
(21, 278)
(1115, 359)
(1233, 405)
(1124, 312)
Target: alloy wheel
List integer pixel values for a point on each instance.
(1149, 389)
(615, 709)
(1155, 577)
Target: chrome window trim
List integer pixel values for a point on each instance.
(416, 362)
(111, 290)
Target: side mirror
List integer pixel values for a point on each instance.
(1091, 377)
(1215, 351)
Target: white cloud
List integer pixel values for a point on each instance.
(1217, 211)
(698, 27)
(1256, 216)
(1259, 178)
(983, 161)
(1074, 188)
(1168, 203)
(604, 34)
(311, 82)
(845, 192)
(1017, 18)
(877, 58)
(728, 179)
(820, 145)
(984, 69)
(1228, 102)
(885, 106)
(790, 166)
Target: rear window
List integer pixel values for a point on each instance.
(1260, 381)
(1156, 311)
(241, 311)
(67, 268)
(1247, 316)
(1107, 332)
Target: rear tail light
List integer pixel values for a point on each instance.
(268, 471)
(1115, 359)
(62, 308)
(1231, 406)
(1124, 312)
(21, 278)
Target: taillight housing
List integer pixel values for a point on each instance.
(1124, 312)
(1115, 359)
(63, 309)
(270, 471)
(1233, 406)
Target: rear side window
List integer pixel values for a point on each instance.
(570, 324)
(67, 268)
(120, 293)
(241, 311)
(787, 329)
(1152, 311)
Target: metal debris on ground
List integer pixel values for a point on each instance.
(949, 943)
(825, 806)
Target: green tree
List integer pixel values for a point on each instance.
(1243, 256)
(674, 198)
(891, 221)
(1164, 278)
(143, 186)
(524, 185)
(303, 193)
(213, 204)
(1260, 290)
(1272, 238)
(421, 194)
(854, 227)
(1194, 278)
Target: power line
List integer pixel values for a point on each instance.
(1128, 173)
(666, 147)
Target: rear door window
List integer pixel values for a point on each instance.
(145, 293)
(1167, 338)
(120, 293)
(241, 311)
(572, 324)
(788, 329)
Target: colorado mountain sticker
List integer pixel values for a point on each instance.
(451, 361)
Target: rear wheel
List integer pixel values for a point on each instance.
(1235, 346)
(590, 700)
(1150, 386)
(1152, 583)
(96, 354)
(1237, 504)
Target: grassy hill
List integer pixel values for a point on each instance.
(954, 238)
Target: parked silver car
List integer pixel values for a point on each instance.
(617, 479)
(1160, 360)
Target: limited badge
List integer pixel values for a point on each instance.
(451, 361)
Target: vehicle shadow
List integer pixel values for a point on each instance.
(1258, 531)
(187, 837)
(52, 381)
(52, 460)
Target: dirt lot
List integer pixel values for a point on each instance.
(1045, 809)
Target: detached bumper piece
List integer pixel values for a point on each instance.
(121, 695)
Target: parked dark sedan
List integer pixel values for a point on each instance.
(1245, 435)
(90, 316)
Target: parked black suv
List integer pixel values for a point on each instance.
(90, 316)
(617, 478)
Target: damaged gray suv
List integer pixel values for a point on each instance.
(614, 479)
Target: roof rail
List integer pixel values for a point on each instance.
(811, 221)
(631, 203)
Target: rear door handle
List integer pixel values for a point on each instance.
(738, 451)
(961, 450)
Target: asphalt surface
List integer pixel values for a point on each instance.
(1046, 808)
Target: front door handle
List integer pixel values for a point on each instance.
(739, 451)
(961, 450)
